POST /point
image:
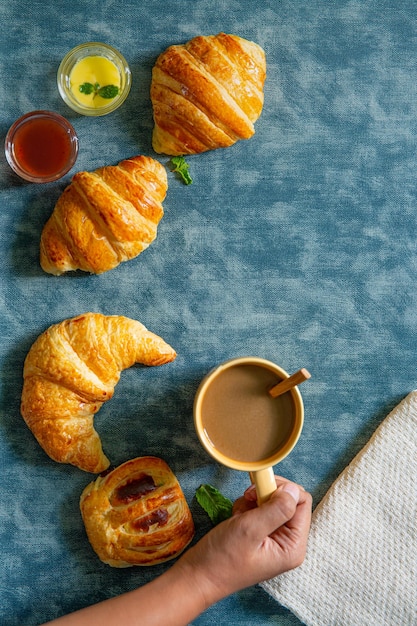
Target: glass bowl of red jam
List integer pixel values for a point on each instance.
(41, 146)
(94, 79)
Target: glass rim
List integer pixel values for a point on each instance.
(21, 121)
(81, 51)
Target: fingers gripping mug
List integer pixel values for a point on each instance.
(241, 426)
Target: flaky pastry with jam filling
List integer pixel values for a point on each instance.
(137, 514)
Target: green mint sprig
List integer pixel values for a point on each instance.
(180, 165)
(108, 91)
(215, 504)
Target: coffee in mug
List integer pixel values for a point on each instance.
(241, 425)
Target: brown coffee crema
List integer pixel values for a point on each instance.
(239, 417)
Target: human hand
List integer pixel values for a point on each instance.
(255, 544)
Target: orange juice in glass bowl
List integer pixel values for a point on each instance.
(94, 79)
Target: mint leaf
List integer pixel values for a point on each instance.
(108, 91)
(180, 166)
(215, 504)
(87, 88)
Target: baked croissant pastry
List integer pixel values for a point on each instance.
(104, 217)
(206, 94)
(71, 370)
(137, 514)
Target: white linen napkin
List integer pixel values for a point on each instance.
(361, 562)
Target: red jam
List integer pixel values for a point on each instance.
(135, 489)
(41, 146)
(158, 517)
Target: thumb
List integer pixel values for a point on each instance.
(278, 510)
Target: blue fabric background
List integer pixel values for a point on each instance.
(298, 245)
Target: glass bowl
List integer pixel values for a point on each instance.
(41, 146)
(88, 66)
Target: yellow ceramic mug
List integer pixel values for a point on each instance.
(241, 425)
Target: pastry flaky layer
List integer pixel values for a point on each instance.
(71, 370)
(137, 514)
(104, 217)
(206, 94)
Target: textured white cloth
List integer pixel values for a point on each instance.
(361, 563)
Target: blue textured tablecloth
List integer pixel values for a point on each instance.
(298, 245)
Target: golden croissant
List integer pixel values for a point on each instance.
(104, 217)
(206, 94)
(71, 370)
(137, 514)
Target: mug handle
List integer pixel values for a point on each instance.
(264, 482)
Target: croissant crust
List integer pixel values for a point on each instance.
(104, 217)
(137, 514)
(206, 94)
(71, 370)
